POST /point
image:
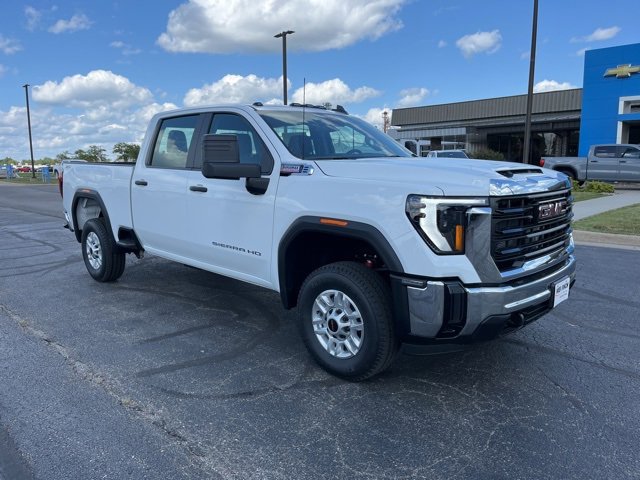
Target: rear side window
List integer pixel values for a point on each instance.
(605, 152)
(173, 142)
(250, 146)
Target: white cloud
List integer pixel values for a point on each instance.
(334, 91)
(375, 116)
(100, 108)
(236, 89)
(580, 53)
(33, 17)
(9, 46)
(551, 85)
(98, 87)
(229, 26)
(78, 22)
(410, 97)
(442, 44)
(598, 35)
(479, 42)
(125, 48)
(3, 70)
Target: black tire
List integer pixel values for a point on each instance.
(101, 256)
(368, 292)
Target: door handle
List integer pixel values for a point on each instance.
(197, 188)
(142, 183)
(623, 161)
(594, 161)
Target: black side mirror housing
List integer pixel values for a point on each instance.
(221, 159)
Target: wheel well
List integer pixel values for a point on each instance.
(311, 250)
(86, 208)
(567, 171)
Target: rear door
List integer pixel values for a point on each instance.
(159, 186)
(233, 229)
(603, 164)
(629, 164)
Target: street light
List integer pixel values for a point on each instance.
(284, 61)
(26, 92)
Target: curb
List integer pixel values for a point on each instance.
(596, 239)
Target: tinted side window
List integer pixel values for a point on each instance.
(173, 141)
(631, 153)
(250, 146)
(606, 152)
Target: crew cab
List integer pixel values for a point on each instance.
(374, 247)
(609, 163)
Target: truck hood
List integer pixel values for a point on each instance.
(454, 176)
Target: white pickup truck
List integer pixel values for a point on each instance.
(375, 247)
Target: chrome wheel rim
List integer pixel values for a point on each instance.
(94, 251)
(337, 324)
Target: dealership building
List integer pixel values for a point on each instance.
(563, 122)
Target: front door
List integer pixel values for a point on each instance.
(232, 229)
(630, 164)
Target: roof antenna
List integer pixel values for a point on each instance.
(304, 104)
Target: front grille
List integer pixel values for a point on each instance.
(528, 227)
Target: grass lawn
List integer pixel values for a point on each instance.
(26, 178)
(579, 196)
(624, 220)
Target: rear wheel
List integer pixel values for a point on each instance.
(101, 256)
(344, 315)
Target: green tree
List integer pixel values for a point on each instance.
(126, 152)
(93, 154)
(63, 156)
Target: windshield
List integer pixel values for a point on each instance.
(325, 135)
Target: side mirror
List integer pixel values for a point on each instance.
(221, 159)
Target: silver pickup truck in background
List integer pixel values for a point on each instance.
(609, 163)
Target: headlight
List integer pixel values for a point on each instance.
(442, 222)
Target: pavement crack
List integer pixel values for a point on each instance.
(113, 388)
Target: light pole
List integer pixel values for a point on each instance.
(532, 68)
(26, 92)
(284, 62)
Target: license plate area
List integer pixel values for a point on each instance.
(560, 291)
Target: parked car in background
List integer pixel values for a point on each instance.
(447, 154)
(23, 169)
(609, 163)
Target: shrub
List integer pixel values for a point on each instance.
(487, 154)
(594, 186)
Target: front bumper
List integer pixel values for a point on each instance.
(448, 312)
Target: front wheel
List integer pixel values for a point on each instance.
(344, 315)
(101, 256)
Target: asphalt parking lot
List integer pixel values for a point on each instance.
(173, 372)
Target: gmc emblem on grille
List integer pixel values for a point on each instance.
(552, 210)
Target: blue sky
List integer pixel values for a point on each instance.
(99, 70)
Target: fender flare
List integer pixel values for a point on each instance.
(352, 230)
(93, 195)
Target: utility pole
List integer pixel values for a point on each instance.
(532, 68)
(33, 167)
(284, 62)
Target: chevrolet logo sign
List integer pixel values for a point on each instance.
(622, 71)
(552, 210)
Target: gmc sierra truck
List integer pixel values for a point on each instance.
(608, 163)
(376, 248)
